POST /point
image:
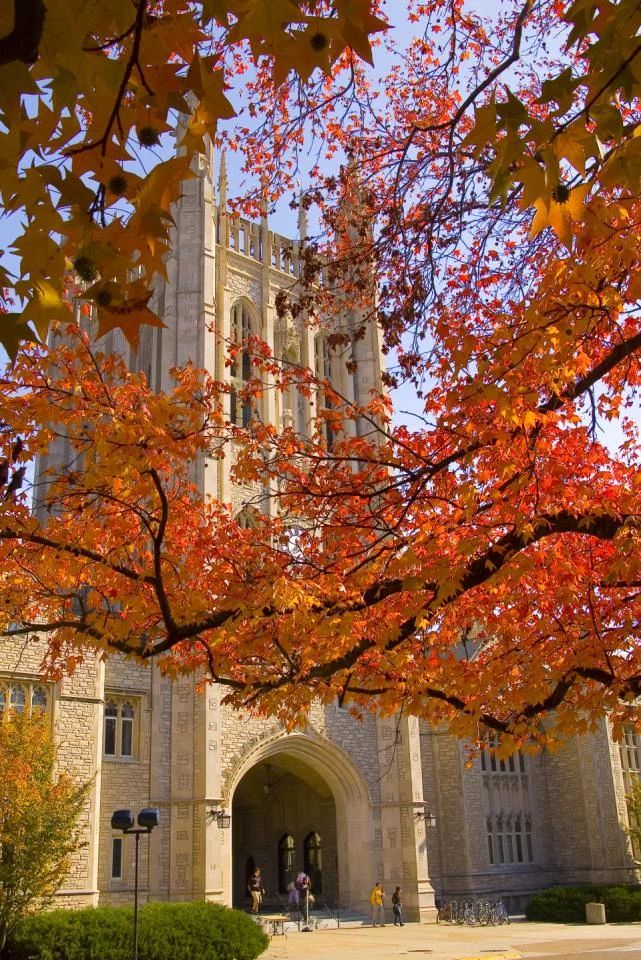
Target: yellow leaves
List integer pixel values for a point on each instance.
(45, 307)
(261, 22)
(358, 26)
(560, 216)
(209, 85)
(128, 312)
(161, 187)
(300, 41)
(13, 331)
(484, 130)
(108, 82)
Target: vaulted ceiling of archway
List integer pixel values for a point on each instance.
(284, 771)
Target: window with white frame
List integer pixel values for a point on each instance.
(630, 752)
(23, 696)
(241, 331)
(120, 728)
(507, 805)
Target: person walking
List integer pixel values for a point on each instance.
(304, 887)
(377, 900)
(397, 907)
(256, 890)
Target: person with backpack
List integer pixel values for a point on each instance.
(397, 907)
(256, 890)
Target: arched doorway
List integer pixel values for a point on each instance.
(284, 820)
(299, 799)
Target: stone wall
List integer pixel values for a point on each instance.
(75, 708)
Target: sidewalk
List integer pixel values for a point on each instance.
(451, 942)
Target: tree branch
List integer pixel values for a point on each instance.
(24, 40)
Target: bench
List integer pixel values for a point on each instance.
(275, 923)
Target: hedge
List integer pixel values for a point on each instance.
(567, 904)
(166, 931)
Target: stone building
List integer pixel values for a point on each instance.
(348, 800)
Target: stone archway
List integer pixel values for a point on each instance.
(286, 790)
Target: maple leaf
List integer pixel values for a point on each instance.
(128, 314)
(560, 215)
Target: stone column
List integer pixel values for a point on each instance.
(401, 840)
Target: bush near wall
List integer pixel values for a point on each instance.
(567, 904)
(167, 931)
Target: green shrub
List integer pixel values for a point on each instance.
(567, 904)
(167, 931)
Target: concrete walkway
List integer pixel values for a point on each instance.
(451, 942)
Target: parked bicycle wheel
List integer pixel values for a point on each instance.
(469, 915)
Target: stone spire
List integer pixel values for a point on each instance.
(302, 218)
(222, 182)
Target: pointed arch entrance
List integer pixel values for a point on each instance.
(298, 802)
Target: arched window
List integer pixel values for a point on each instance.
(38, 700)
(119, 730)
(630, 751)
(314, 861)
(241, 330)
(111, 720)
(18, 699)
(323, 363)
(25, 696)
(286, 858)
(126, 730)
(507, 804)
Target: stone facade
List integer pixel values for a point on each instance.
(347, 798)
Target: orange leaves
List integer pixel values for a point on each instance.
(462, 573)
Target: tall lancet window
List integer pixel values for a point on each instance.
(241, 331)
(323, 361)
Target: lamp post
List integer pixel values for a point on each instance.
(148, 818)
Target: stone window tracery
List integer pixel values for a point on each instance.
(323, 366)
(507, 805)
(241, 330)
(630, 753)
(20, 696)
(119, 739)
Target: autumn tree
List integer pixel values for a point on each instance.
(477, 562)
(39, 811)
